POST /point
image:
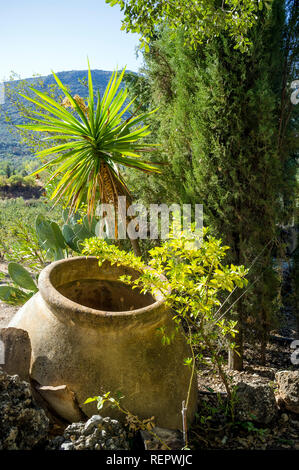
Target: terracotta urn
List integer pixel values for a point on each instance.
(94, 334)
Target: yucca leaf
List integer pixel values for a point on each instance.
(94, 140)
(59, 137)
(68, 235)
(47, 128)
(69, 126)
(53, 111)
(73, 102)
(124, 110)
(108, 87)
(134, 163)
(60, 148)
(55, 161)
(56, 109)
(60, 110)
(90, 100)
(98, 111)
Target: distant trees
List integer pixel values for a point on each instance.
(228, 133)
(7, 170)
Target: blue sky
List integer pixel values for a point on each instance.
(39, 35)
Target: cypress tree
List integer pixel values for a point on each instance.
(226, 133)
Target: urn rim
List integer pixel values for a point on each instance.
(59, 304)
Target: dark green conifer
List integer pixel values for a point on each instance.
(227, 132)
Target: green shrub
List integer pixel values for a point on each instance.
(196, 289)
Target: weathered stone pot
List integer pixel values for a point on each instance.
(94, 334)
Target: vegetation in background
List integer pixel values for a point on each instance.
(37, 246)
(95, 142)
(18, 147)
(228, 131)
(18, 241)
(16, 180)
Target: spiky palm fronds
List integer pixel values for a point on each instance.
(96, 141)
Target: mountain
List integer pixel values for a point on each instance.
(11, 148)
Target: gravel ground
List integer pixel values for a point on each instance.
(6, 311)
(6, 314)
(214, 429)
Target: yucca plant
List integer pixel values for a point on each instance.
(95, 141)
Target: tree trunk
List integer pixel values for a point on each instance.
(264, 338)
(135, 246)
(235, 356)
(134, 242)
(235, 362)
(263, 351)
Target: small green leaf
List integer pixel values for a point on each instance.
(90, 225)
(21, 276)
(58, 235)
(13, 295)
(70, 237)
(210, 389)
(90, 400)
(45, 232)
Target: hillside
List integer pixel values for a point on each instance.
(11, 148)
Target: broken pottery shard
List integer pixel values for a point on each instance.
(16, 352)
(63, 401)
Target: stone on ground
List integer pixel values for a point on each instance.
(255, 402)
(7, 312)
(96, 434)
(23, 425)
(288, 389)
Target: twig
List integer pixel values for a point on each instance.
(184, 418)
(250, 267)
(227, 310)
